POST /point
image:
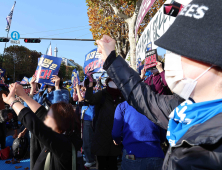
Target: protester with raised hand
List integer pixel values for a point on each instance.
(87, 115)
(193, 71)
(157, 80)
(33, 85)
(59, 131)
(52, 94)
(74, 95)
(80, 93)
(105, 102)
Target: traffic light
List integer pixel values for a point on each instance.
(4, 40)
(28, 40)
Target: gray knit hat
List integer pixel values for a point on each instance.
(197, 32)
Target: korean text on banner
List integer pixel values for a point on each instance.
(145, 6)
(75, 78)
(93, 62)
(47, 66)
(158, 25)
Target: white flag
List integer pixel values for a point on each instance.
(9, 18)
(50, 50)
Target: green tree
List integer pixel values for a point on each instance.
(66, 71)
(20, 61)
(81, 73)
(62, 71)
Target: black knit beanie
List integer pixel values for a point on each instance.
(197, 32)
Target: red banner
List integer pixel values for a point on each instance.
(144, 8)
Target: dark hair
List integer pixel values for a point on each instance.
(65, 117)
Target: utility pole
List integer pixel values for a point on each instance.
(64, 39)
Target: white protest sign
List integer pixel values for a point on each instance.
(155, 29)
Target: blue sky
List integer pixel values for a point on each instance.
(44, 15)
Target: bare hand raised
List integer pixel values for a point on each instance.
(56, 80)
(20, 92)
(159, 66)
(106, 46)
(32, 82)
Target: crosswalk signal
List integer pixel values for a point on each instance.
(4, 40)
(28, 40)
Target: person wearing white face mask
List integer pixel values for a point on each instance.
(193, 115)
(157, 80)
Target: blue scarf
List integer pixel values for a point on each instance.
(189, 114)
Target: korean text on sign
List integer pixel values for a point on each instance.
(47, 66)
(151, 59)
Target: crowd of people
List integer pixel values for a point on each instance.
(167, 120)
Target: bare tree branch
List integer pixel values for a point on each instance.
(138, 4)
(136, 12)
(117, 11)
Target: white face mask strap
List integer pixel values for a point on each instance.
(203, 73)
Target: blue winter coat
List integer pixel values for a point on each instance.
(141, 137)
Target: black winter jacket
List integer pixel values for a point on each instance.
(102, 143)
(201, 146)
(58, 145)
(35, 145)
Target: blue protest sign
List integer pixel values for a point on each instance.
(75, 77)
(93, 62)
(25, 80)
(15, 35)
(149, 46)
(2, 72)
(47, 66)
